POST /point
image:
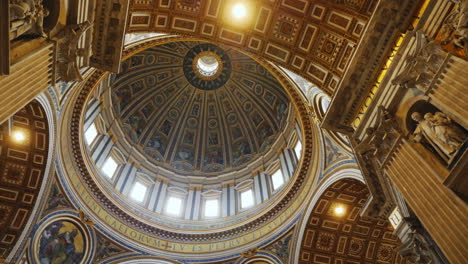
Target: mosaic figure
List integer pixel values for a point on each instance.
(61, 243)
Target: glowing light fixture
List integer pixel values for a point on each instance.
(239, 10)
(19, 136)
(339, 210)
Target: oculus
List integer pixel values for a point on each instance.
(207, 66)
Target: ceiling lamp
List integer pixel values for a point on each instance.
(239, 10)
(19, 136)
(339, 210)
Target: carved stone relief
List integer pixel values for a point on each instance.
(422, 65)
(454, 29)
(372, 153)
(68, 52)
(27, 18)
(416, 246)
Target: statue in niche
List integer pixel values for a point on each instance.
(440, 132)
(27, 18)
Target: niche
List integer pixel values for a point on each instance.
(446, 139)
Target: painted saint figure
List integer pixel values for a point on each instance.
(58, 244)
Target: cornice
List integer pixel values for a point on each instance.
(390, 19)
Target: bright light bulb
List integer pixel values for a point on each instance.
(19, 136)
(239, 10)
(339, 210)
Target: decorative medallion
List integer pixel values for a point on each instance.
(61, 240)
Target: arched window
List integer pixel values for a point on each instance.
(247, 199)
(109, 167)
(298, 149)
(91, 134)
(138, 192)
(174, 206)
(277, 179)
(211, 208)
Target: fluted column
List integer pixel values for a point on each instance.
(126, 176)
(129, 175)
(261, 187)
(287, 164)
(30, 74)
(418, 176)
(228, 200)
(450, 94)
(158, 200)
(192, 210)
(91, 113)
(102, 149)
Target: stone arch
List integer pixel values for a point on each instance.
(260, 257)
(143, 260)
(24, 172)
(313, 39)
(349, 173)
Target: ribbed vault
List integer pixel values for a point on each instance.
(315, 39)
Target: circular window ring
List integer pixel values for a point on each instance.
(204, 71)
(205, 81)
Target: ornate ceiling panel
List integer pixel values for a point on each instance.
(313, 38)
(22, 166)
(192, 125)
(348, 238)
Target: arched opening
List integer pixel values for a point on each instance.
(335, 232)
(436, 131)
(24, 148)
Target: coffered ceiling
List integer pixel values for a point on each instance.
(347, 238)
(22, 166)
(315, 39)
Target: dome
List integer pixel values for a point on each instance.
(193, 136)
(198, 109)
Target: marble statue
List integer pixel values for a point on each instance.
(421, 66)
(68, 52)
(440, 132)
(27, 18)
